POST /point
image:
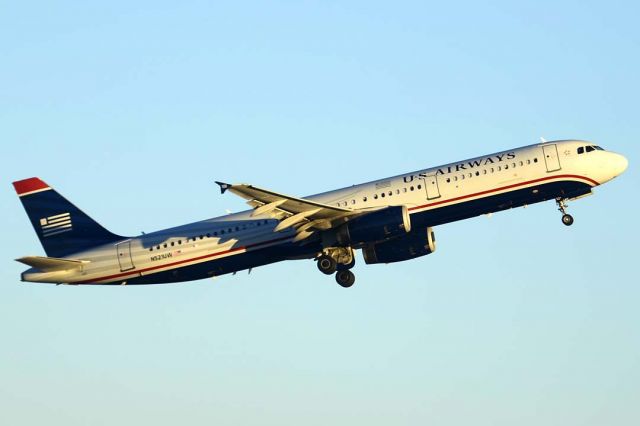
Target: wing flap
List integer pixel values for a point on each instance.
(306, 216)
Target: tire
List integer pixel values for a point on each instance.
(567, 219)
(345, 278)
(327, 265)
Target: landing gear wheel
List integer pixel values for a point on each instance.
(345, 278)
(327, 264)
(567, 219)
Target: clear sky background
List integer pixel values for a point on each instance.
(131, 110)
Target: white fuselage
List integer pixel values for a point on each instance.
(208, 243)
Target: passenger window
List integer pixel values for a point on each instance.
(484, 172)
(528, 161)
(477, 173)
(412, 188)
(470, 175)
(419, 186)
(222, 232)
(173, 243)
(165, 245)
(448, 180)
(535, 160)
(364, 199)
(375, 196)
(150, 248)
(157, 247)
(522, 163)
(492, 170)
(506, 166)
(514, 165)
(382, 195)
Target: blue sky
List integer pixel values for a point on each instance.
(133, 110)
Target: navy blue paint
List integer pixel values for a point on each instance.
(85, 234)
(439, 216)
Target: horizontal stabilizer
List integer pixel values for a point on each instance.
(50, 264)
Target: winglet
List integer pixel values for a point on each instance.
(223, 186)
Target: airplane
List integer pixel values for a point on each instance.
(390, 220)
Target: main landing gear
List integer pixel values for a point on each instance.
(567, 219)
(339, 262)
(345, 278)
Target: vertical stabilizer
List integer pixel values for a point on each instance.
(62, 228)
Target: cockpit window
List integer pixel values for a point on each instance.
(590, 149)
(599, 148)
(581, 150)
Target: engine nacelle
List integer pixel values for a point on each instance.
(378, 226)
(420, 242)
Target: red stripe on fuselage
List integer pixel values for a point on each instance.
(252, 246)
(490, 191)
(29, 185)
(182, 262)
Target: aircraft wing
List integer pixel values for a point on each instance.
(305, 216)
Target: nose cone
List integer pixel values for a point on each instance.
(618, 164)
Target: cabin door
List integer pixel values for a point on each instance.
(431, 185)
(551, 158)
(124, 256)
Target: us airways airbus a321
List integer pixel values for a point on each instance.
(390, 220)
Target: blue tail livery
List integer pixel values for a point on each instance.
(62, 228)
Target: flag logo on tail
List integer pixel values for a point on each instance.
(54, 225)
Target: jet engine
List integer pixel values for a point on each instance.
(420, 242)
(380, 225)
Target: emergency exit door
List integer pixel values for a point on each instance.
(551, 158)
(124, 256)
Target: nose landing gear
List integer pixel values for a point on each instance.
(567, 219)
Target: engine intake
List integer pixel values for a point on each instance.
(418, 243)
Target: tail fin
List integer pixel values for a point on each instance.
(62, 228)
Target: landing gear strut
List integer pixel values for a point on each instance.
(567, 219)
